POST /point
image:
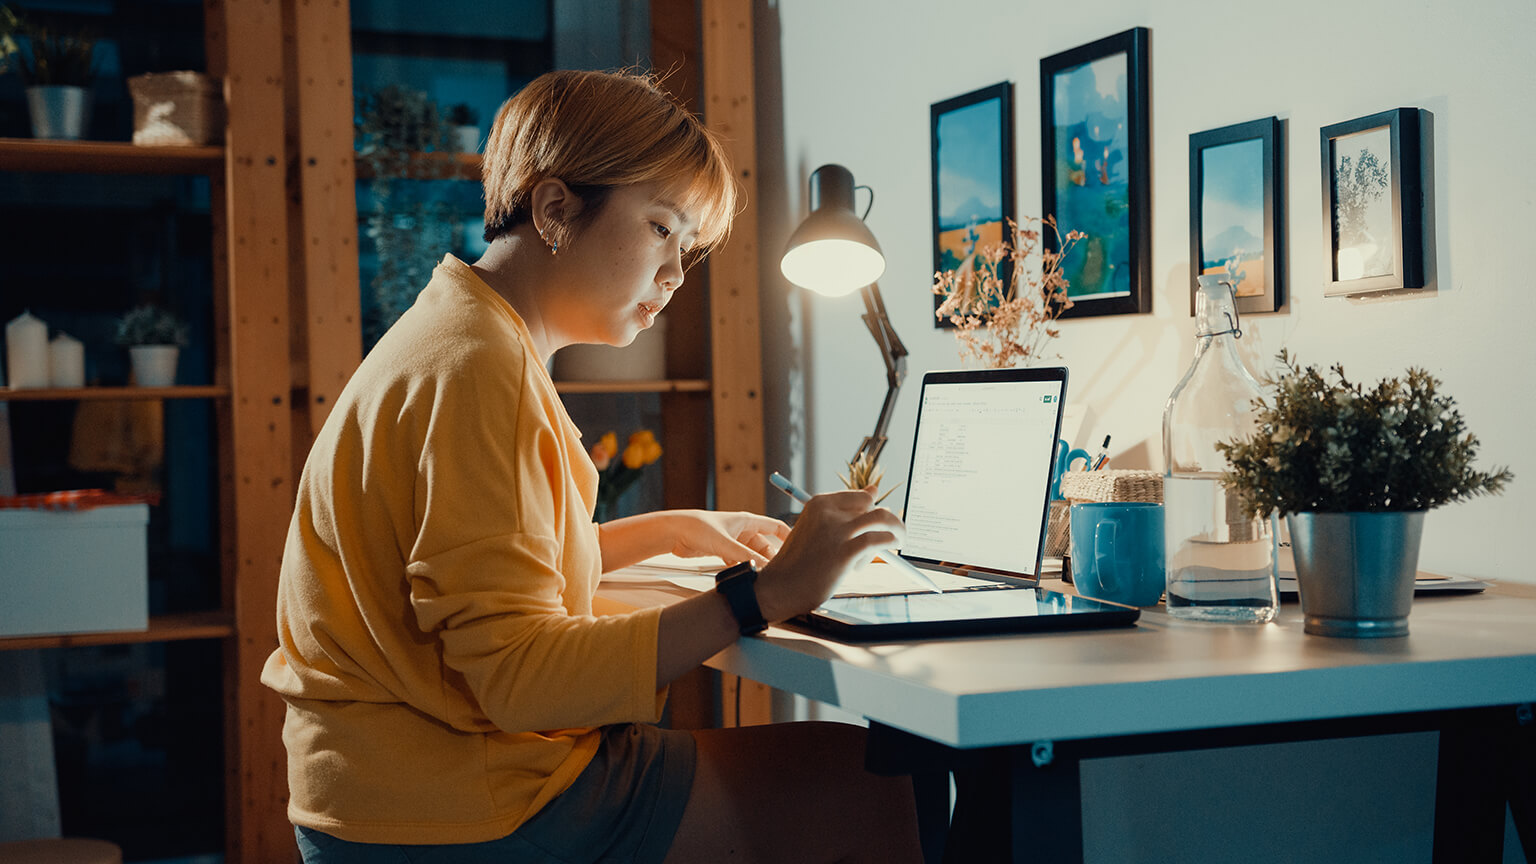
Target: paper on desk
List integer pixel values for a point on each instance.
(872, 579)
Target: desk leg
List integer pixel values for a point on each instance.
(1486, 758)
(1047, 815)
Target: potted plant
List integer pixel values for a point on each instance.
(153, 338)
(1353, 470)
(55, 67)
(466, 127)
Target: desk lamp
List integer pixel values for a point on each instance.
(833, 253)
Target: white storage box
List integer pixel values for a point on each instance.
(73, 571)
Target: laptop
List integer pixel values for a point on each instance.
(976, 510)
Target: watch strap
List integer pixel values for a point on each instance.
(738, 585)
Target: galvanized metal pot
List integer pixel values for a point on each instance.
(58, 111)
(1355, 571)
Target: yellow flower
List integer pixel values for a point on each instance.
(642, 450)
(604, 450)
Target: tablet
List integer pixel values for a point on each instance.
(1004, 609)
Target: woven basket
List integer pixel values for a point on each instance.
(176, 109)
(1113, 485)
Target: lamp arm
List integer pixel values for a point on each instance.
(895, 356)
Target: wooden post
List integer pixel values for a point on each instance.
(246, 47)
(735, 334)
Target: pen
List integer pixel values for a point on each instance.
(1103, 458)
(788, 487)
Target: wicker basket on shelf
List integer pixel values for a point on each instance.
(172, 109)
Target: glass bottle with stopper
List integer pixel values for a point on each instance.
(1221, 562)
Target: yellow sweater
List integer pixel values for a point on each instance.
(438, 653)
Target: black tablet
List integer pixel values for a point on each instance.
(1004, 609)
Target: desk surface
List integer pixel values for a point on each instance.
(1159, 676)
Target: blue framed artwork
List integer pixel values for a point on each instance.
(1094, 154)
(971, 141)
(1236, 205)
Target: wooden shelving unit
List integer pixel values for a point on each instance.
(88, 394)
(162, 628)
(106, 157)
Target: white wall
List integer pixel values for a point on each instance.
(850, 81)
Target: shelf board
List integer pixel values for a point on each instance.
(674, 385)
(54, 394)
(433, 166)
(162, 628)
(107, 157)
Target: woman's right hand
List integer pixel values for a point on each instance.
(835, 532)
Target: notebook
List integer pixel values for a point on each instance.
(977, 502)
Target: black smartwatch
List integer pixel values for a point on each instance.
(737, 585)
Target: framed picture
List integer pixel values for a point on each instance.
(1095, 161)
(1236, 211)
(971, 137)
(1373, 203)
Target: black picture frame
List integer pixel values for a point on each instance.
(1237, 210)
(1366, 204)
(1110, 270)
(971, 133)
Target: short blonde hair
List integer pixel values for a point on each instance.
(598, 130)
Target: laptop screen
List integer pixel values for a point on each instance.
(979, 483)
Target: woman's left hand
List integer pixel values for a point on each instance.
(734, 536)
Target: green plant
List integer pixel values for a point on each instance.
(1325, 444)
(1003, 318)
(150, 325)
(50, 57)
(402, 138)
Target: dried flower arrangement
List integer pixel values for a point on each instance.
(1005, 318)
(1327, 445)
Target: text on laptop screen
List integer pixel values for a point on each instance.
(981, 469)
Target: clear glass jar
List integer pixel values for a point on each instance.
(1221, 562)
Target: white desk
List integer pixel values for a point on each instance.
(1060, 697)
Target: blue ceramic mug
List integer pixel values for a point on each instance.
(1117, 551)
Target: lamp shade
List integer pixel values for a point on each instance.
(832, 252)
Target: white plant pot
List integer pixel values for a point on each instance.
(154, 365)
(467, 138)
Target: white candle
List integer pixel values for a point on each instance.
(26, 351)
(66, 362)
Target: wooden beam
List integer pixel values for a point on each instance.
(249, 34)
(736, 338)
(331, 331)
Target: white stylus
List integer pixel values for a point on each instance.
(890, 556)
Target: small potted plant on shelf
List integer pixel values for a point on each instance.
(466, 127)
(153, 338)
(56, 69)
(1353, 470)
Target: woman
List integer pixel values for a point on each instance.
(450, 695)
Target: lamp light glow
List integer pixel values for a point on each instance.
(832, 267)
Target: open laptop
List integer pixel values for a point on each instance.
(977, 504)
